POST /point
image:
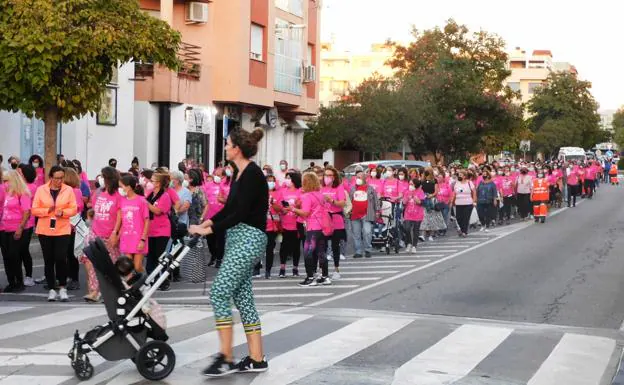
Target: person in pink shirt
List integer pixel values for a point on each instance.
(159, 204)
(590, 180)
(16, 205)
(273, 228)
(335, 200)
(403, 181)
(37, 163)
(134, 216)
(573, 182)
(218, 239)
(444, 198)
(413, 214)
(30, 176)
(312, 206)
(290, 196)
(507, 192)
(145, 180)
(374, 180)
(106, 204)
(72, 179)
(216, 242)
(390, 187)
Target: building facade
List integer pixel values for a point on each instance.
(342, 70)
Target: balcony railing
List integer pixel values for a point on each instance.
(190, 64)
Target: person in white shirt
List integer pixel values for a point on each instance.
(280, 174)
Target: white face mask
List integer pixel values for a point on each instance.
(374, 174)
(436, 173)
(100, 180)
(359, 182)
(448, 174)
(283, 167)
(500, 173)
(271, 185)
(388, 174)
(217, 179)
(228, 172)
(401, 177)
(35, 164)
(122, 192)
(185, 183)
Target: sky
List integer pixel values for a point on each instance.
(584, 33)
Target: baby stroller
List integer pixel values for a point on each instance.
(130, 333)
(386, 230)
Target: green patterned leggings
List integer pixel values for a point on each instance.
(243, 244)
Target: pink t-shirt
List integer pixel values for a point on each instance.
(552, 179)
(2, 194)
(507, 186)
(160, 225)
(376, 184)
(391, 188)
(211, 190)
(590, 173)
(173, 196)
(444, 193)
(224, 189)
(289, 220)
(134, 213)
(40, 179)
(79, 201)
(106, 208)
(414, 211)
(14, 208)
(498, 182)
(573, 178)
(463, 193)
(312, 203)
(337, 194)
(403, 187)
(273, 218)
(84, 178)
(347, 183)
(32, 187)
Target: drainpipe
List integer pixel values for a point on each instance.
(164, 134)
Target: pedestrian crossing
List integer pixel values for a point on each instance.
(311, 346)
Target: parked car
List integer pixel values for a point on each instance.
(349, 171)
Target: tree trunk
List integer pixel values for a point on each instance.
(50, 120)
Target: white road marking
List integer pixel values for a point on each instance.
(35, 324)
(453, 357)
(406, 264)
(576, 360)
(12, 309)
(33, 380)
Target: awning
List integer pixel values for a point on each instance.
(298, 124)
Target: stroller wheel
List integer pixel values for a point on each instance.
(83, 370)
(155, 360)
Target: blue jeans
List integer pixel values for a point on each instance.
(362, 235)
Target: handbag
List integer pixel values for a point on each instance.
(193, 266)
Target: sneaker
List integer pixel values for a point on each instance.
(422, 238)
(367, 254)
(220, 367)
(267, 275)
(217, 264)
(335, 275)
(330, 257)
(486, 230)
(166, 286)
(430, 239)
(408, 248)
(63, 295)
(52, 296)
(282, 273)
(29, 282)
(357, 256)
(40, 280)
(342, 257)
(482, 228)
(295, 272)
(248, 365)
(309, 281)
(413, 249)
(73, 285)
(325, 281)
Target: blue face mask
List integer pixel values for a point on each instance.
(271, 185)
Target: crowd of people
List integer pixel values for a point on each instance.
(141, 211)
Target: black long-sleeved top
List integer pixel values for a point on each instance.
(248, 201)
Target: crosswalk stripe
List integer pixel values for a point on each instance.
(370, 272)
(440, 249)
(43, 359)
(403, 259)
(407, 264)
(329, 349)
(453, 357)
(257, 296)
(289, 281)
(197, 349)
(576, 360)
(417, 256)
(32, 380)
(12, 309)
(293, 285)
(35, 324)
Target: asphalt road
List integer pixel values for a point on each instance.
(568, 271)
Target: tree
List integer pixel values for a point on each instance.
(57, 56)
(618, 127)
(564, 113)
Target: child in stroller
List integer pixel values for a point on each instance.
(386, 230)
(134, 331)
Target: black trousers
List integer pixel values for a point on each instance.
(73, 266)
(524, 205)
(291, 246)
(487, 213)
(156, 246)
(462, 214)
(216, 245)
(314, 253)
(590, 187)
(335, 238)
(505, 212)
(25, 252)
(573, 191)
(269, 253)
(55, 258)
(11, 258)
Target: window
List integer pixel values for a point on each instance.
(338, 87)
(256, 49)
(533, 87)
(515, 86)
(107, 113)
(288, 59)
(291, 6)
(310, 53)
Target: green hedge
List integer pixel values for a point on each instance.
(621, 164)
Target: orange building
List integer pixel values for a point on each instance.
(247, 63)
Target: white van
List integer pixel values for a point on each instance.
(569, 154)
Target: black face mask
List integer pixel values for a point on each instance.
(460, 178)
(113, 165)
(14, 166)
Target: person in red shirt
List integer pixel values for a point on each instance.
(365, 203)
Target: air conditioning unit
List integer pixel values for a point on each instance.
(255, 56)
(309, 74)
(196, 12)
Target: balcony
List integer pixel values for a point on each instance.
(190, 64)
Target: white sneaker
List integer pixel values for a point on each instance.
(342, 257)
(430, 239)
(408, 248)
(422, 238)
(486, 230)
(482, 228)
(28, 281)
(52, 295)
(63, 295)
(335, 275)
(413, 249)
(330, 257)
